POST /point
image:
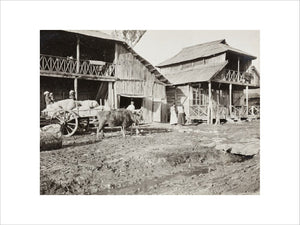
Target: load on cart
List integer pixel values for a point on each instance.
(70, 113)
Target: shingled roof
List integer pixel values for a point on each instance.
(200, 74)
(202, 51)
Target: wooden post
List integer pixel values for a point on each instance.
(209, 119)
(77, 68)
(76, 87)
(230, 100)
(238, 69)
(77, 55)
(116, 59)
(110, 95)
(247, 106)
(115, 96)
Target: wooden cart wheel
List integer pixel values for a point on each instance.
(68, 121)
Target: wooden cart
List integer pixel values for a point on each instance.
(70, 120)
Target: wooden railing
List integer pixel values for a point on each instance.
(239, 111)
(254, 110)
(235, 76)
(69, 66)
(198, 111)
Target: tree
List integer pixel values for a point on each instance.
(132, 37)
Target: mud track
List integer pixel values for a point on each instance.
(162, 160)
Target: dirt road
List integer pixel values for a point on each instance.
(163, 160)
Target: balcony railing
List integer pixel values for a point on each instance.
(235, 76)
(69, 66)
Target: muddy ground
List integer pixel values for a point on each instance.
(162, 160)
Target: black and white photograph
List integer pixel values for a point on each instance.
(149, 112)
(114, 123)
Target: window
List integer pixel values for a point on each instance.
(200, 96)
(196, 96)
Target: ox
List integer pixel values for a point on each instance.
(119, 117)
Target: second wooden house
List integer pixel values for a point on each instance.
(211, 79)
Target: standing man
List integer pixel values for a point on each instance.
(72, 95)
(47, 98)
(131, 107)
(51, 98)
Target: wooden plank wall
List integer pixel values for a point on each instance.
(194, 64)
(136, 79)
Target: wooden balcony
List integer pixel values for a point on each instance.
(235, 77)
(68, 66)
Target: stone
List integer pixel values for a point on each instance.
(50, 137)
(245, 149)
(208, 144)
(223, 147)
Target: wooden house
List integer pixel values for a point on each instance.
(211, 79)
(100, 67)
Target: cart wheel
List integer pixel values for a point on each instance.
(68, 121)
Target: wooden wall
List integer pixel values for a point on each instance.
(194, 64)
(135, 79)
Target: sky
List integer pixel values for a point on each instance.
(159, 45)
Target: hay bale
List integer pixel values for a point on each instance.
(50, 137)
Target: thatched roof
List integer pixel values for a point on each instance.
(202, 51)
(200, 74)
(102, 35)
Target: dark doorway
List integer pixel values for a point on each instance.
(125, 101)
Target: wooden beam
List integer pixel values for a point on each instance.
(209, 119)
(236, 83)
(230, 100)
(74, 75)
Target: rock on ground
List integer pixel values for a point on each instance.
(50, 137)
(245, 149)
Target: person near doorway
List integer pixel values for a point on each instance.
(181, 115)
(72, 95)
(51, 98)
(131, 107)
(47, 98)
(173, 115)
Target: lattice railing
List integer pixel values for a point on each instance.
(198, 111)
(239, 111)
(235, 76)
(68, 65)
(254, 110)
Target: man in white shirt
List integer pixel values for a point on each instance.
(131, 107)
